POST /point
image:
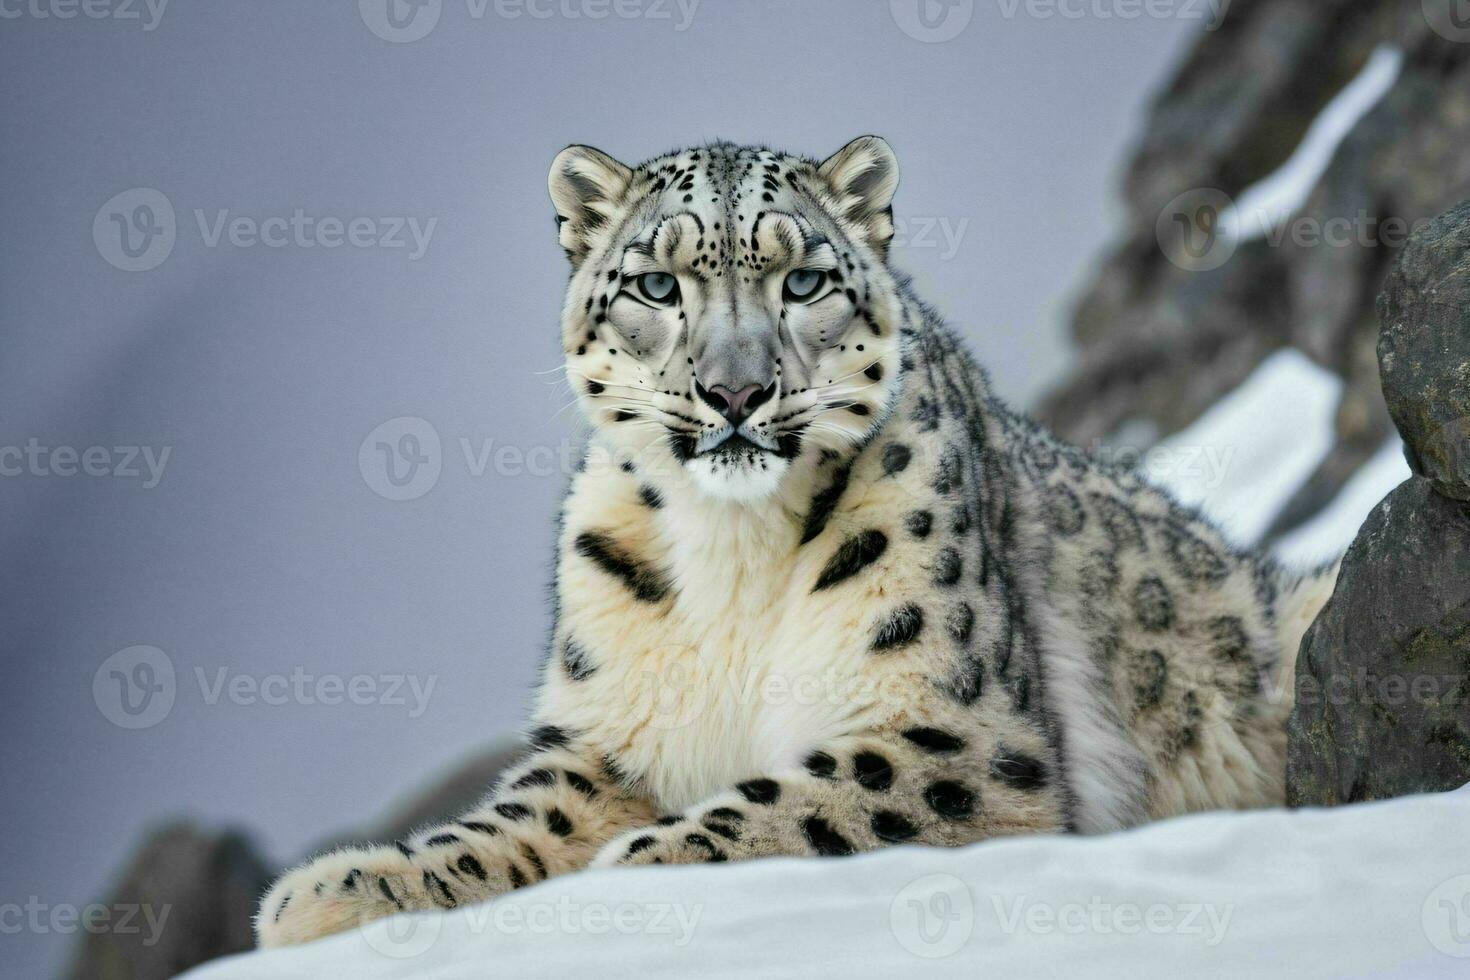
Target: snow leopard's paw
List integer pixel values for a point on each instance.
(681, 841)
(661, 845)
(344, 890)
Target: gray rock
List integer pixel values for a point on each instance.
(1159, 344)
(1383, 675)
(1424, 351)
(1383, 679)
(203, 887)
(199, 889)
(1240, 102)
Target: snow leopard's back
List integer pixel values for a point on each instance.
(1169, 652)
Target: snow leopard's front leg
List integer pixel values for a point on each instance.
(919, 785)
(548, 815)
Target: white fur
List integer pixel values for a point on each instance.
(1104, 769)
(740, 482)
(737, 679)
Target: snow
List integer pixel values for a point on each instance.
(1243, 459)
(1327, 535)
(1263, 208)
(1373, 891)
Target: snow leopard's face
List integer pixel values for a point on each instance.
(730, 312)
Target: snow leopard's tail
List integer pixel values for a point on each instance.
(1300, 600)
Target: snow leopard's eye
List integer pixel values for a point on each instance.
(803, 284)
(659, 288)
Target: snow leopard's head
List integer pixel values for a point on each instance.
(730, 311)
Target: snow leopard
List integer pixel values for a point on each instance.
(818, 590)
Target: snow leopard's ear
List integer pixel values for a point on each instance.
(585, 186)
(863, 176)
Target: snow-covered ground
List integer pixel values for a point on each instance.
(1376, 891)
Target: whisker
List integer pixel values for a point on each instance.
(845, 391)
(614, 384)
(557, 414)
(853, 374)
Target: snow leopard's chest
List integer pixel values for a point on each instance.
(740, 667)
(731, 696)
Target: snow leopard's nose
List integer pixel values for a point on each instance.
(735, 406)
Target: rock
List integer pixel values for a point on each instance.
(1424, 351)
(209, 883)
(194, 894)
(1159, 344)
(1383, 676)
(1401, 165)
(1383, 679)
(1239, 104)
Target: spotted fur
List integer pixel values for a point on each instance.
(872, 606)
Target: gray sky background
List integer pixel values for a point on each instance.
(261, 370)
